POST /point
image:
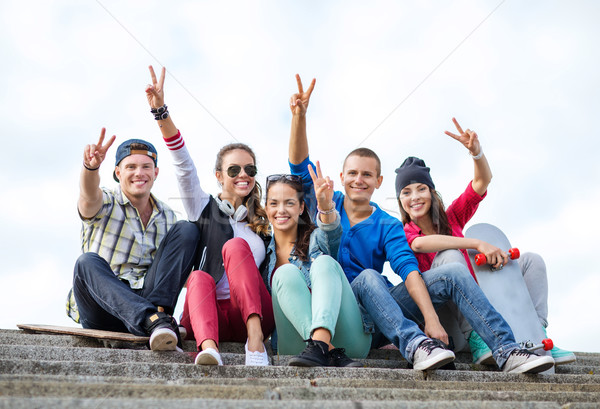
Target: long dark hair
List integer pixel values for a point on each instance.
(257, 216)
(437, 212)
(305, 224)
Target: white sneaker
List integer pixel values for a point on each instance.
(163, 339)
(431, 354)
(208, 356)
(523, 361)
(256, 358)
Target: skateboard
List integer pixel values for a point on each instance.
(108, 338)
(507, 292)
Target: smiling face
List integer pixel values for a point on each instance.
(360, 178)
(283, 207)
(236, 188)
(415, 199)
(136, 174)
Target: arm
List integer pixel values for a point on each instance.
(438, 242)
(298, 148)
(90, 194)
(418, 292)
(482, 174)
(193, 197)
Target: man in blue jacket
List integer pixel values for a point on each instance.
(370, 238)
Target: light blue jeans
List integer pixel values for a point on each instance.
(330, 305)
(395, 314)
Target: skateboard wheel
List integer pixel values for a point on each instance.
(480, 259)
(548, 344)
(514, 253)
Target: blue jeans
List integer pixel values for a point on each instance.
(106, 302)
(444, 283)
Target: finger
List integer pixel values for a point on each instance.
(162, 77)
(293, 100)
(312, 174)
(102, 133)
(311, 87)
(319, 173)
(457, 125)
(109, 143)
(299, 82)
(457, 137)
(329, 182)
(152, 75)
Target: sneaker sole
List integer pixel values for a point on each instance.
(539, 365)
(434, 363)
(163, 339)
(206, 359)
(296, 361)
(565, 359)
(486, 359)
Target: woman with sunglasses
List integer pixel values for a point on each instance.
(313, 302)
(435, 233)
(226, 298)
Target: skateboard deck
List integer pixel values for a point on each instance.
(506, 289)
(100, 335)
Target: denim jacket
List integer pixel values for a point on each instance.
(325, 239)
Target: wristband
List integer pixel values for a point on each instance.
(326, 212)
(478, 156)
(160, 112)
(90, 169)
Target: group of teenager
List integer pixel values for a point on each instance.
(304, 266)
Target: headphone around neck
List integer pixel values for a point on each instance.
(226, 207)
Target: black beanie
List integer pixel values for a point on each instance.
(412, 170)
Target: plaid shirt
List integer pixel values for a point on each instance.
(116, 233)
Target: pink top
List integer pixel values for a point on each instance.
(459, 213)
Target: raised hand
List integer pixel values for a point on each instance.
(323, 188)
(94, 154)
(155, 91)
(299, 101)
(468, 138)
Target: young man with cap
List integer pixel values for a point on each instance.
(370, 238)
(136, 257)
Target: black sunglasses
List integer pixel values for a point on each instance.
(235, 170)
(281, 176)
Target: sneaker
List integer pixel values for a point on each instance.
(256, 358)
(338, 358)
(164, 334)
(523, 361)
(480, 352)
(561, 356)
(431, 354)
(208, 356)
(316, 353)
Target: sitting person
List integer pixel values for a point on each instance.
(312, 299)
(135, 257)
(433, 232)
(370, 238)
(226, 298)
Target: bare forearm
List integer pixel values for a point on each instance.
(438, 242)
(167, 127)
(482, 175)
(298, 148)
(418, 292)
(90, 194)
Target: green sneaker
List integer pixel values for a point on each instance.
(480, 351)
(561, 356)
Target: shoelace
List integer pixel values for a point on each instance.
(522, 352)
(430, 344)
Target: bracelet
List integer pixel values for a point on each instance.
(90, 169)
(478, 156)
(326, 212)
(160, 112)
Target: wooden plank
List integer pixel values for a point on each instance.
(83, 332)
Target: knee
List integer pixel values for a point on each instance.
(368, 278)
(186, 231)
(448, 256)
(200, 279)
(235, 245)
(325, 263)
(532, 260)
(286, 275)
(86, 263)
(457, 272)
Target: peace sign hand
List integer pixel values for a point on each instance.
(155, 92)
(93, 155)
(299, 101)
(323, 188)
(468, 138)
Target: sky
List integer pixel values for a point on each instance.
(390, 76)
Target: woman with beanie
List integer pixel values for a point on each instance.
(226, 298)
(435, 233)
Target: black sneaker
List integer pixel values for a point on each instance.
(163, 331)
(316, 353)
(338, 358)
